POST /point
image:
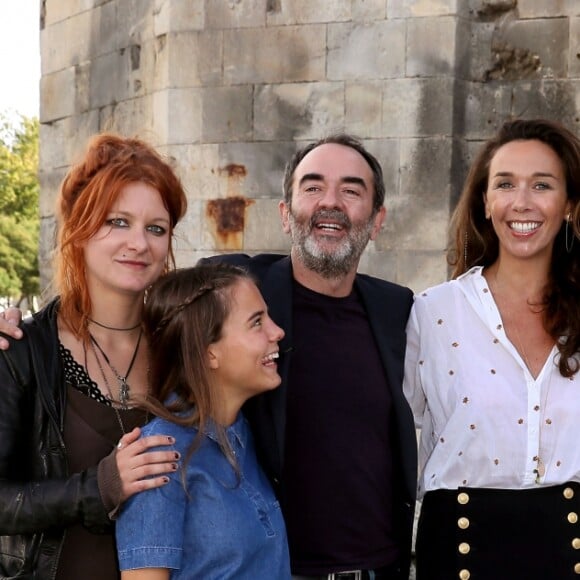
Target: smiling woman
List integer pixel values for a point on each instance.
(492, 367)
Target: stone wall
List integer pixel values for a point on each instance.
(230, 88)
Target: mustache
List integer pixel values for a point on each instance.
(334, 215)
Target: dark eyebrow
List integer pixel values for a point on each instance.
(346, 179)
(537, 174)
(255, 315)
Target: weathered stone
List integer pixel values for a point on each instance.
(366, 50)
(415, 107)
(363, 112)
(300, 54)
(298, 111)
(235, 14)
(230, 88)
(227, 114)
(420, 8)
(554, 8)
(285, 12)
(423, 34)
(527, 49)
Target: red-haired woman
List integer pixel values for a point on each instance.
(70, 452)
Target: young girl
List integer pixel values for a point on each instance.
(213, 346)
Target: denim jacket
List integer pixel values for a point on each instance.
(222, 525)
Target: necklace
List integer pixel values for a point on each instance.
(114, 328)
(124, 389)
(117, 414)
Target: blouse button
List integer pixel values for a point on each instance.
(463, 523)
(463, 498)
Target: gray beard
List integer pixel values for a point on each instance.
(335, 263)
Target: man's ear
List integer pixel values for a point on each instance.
(378, 222)
(284, 210)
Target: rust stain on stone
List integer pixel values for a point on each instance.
(234, 170)
(227, 217)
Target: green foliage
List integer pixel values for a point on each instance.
(19, 220)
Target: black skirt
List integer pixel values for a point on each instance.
(498, 534)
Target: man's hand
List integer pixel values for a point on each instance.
(9, 321)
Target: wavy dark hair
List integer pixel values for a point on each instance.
(475, 243)
(184, 314)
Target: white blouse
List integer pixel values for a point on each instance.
(485, 421)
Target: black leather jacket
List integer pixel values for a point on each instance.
(38, 497)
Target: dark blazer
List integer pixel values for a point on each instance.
(388, 306)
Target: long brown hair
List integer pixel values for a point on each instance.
(475, 243)
(184, 314)
(87, 193)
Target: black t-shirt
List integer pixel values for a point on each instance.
(338, 469)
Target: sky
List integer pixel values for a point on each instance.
(19, 57)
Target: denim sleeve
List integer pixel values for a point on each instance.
(150, 528)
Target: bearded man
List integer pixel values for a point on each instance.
(337, 437)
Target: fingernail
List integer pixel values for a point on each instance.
(171, 439)
(174, 466)
(166, 480)
(177, 455)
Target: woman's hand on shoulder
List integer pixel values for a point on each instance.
(9, 320)
(139, 467)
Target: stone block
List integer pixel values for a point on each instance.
(263, 228)
(387, 152)
(67, 138)
(363, 108)
(418, 107)
(109, 66)
(227, 114)
(574, 51)
(204, 54)
(288, 12)
(50, 182)
(198, 168)
(298, 110)
(422, 8)
(235, 14)
(421, 212)
(133, 117)
(135, 21)
(554, 8)
(481, 56)
(253, 170)
(67, 42)
(381, 264)
(188, 232)
(58, 95)
(178, 16)
(546, 40)
(485, 107)
(420, 270)
(177, 116)
(366, 50)
(558, 100)
(369, 10)
(299, 55)
(47, 236)
(423, 34)
(57, 10)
